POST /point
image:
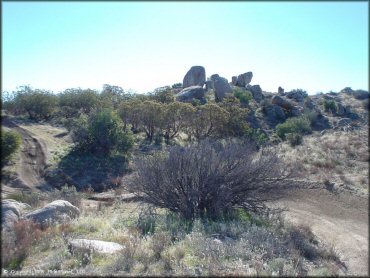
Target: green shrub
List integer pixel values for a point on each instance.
(244, 96)
(330, 105)
(10, 143)
(102, 132)
(294, 139)
(299, 125)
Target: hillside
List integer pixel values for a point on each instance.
(207, 177)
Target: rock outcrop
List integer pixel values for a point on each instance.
(297, 96)
(256, 93)
(280, 91)
(244, 79)
(282, 102)
(196, 76)
(11, 212)
(274, 113)
(191, 93)
(98, 246)
(56, 211)
(234, 80)
(221, 86)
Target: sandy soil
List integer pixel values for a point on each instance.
(32, 159)
(340, 220)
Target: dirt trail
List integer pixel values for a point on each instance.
(32, 158)
(340, 220)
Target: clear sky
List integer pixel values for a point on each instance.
(316, 46)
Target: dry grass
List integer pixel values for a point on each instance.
(246, 245)
(336, 157)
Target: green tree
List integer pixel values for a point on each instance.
(176, 118)
(76, 101)
(10, 143)
(102, 132)
(38, 104)
(208, 120)
(151, 118)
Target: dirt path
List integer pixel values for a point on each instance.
(32, 158)
(340, 220)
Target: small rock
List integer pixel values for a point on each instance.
(98, 246)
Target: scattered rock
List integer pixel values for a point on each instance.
(344, 122)
(196, 76)
(308, 103)
(190, 93)
(56, 211)
(234, 80)
(221, 86)
(11, 211)
(209, 85)
(244, 79)
(297, 96)
(321, 122)
(360, 94)
(282, 102)
(274, 113)
(257, 93)
(98, 246)
(295, 112)
(347, 90)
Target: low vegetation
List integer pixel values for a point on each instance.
(10, 143)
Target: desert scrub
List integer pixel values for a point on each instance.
(298, 125)
(10, 143)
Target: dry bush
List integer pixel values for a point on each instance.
(16, 247)
(210, 178)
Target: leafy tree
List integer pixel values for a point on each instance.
(208, 120)
(151, 118)
(39, 104)
(102, 132)
(237, 124)
(75, 101)
(10, 143)
(112, 96)
(163, 95)
(176, 118)
(130, 113)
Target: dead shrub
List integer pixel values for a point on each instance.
(16, 247)
(210, 178)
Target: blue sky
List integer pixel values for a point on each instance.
(316, 46)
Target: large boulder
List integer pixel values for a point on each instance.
(282, 102)
(274, 113)
(191, 93)
(360, 94)
(256, 93)
(244, 79)
(209, 85)
(89, 246)
(56, 211)
(321, 122)
(280, 91)
(221, 86)
(297, 96)
(234, 80)
(196, 76)
(11, 211)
